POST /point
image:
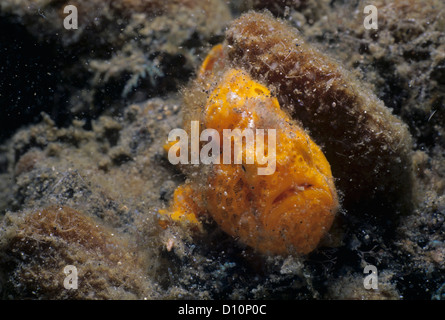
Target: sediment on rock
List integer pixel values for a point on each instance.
(36, 248)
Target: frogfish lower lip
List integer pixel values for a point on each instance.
(289, 193)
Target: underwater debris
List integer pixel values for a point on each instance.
(303, 11)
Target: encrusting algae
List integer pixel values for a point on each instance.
(287, 211)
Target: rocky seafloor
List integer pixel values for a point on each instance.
(83, 173)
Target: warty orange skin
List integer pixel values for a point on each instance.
(286, 212)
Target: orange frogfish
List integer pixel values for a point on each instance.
(286, 210)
